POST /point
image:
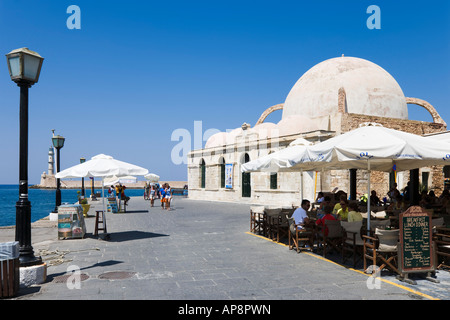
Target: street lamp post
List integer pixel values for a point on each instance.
(58, 143)
(82, 160)
(24, 68)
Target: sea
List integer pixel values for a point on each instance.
(42, 201)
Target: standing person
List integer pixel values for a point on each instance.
(162, 193)
(123, 196)
(118, 191)
(152, 195)
(158, 190)
(146, 191)
(111, 192)
(392, 193)
(168, 197)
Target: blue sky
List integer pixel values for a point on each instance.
(138, 70)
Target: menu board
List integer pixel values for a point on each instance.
(416, 240)
(71, 222)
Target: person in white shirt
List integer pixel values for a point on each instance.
(300, 217)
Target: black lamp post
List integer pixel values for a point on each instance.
(24, 68)
(82, 160)
(58, 143)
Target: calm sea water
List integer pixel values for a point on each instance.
(42, 201)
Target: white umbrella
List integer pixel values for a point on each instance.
(152, 177)
(285, 160)
(102, 166)
(378, 148)
(382, 147)
(282, 161)
(115, 179)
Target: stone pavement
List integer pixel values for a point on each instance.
(199, 250)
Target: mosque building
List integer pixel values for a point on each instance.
(333, 97)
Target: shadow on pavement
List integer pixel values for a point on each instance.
(133, 235)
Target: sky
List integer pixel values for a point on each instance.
(136, 73)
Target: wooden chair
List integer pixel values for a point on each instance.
(272, 217)
(331, 235)
(442, 240)
(382, 248)
(257, 220)
(297, 236)
(380, 224)
(353, 242)
(283, 224)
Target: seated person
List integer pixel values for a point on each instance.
(353, 213)
(320, 197)
(327, 216)
(374, 200)
(323, 204)
(342, 213)
(300, 215)
(343, 197)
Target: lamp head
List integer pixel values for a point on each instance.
(24, 66)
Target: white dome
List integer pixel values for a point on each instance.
(370, 90)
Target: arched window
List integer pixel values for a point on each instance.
(202, 174)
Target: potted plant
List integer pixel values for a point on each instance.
(85, 205)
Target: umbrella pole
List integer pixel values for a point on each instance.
(301, 186)
(315, 186)
(368, 198)
(103, 200)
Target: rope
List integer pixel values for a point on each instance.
(57, 257)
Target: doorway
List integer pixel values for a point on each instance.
(246, 181)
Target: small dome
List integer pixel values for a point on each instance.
(266, 130)
(300, 142)
(370, 90)
(296, 124)
(216, 140)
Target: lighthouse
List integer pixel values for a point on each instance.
(51, 162)
(48, 179)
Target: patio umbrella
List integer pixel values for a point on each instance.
(115, 179)
(286, 160)
(102, 166)
(283, 161)
(374, 147)
(152, 177)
